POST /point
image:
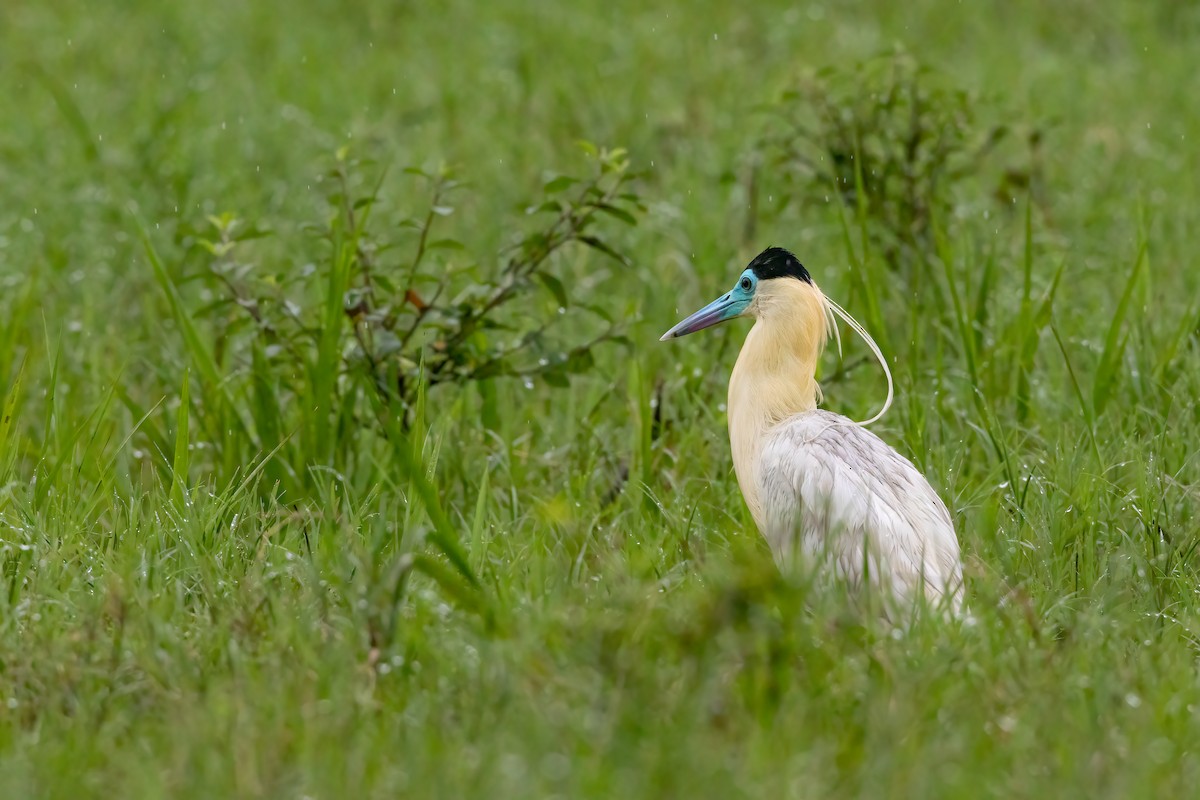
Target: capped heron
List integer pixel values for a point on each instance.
(822, 489)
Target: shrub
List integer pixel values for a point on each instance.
(892, 142)
(352, 340)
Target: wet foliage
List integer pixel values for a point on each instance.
(901, 146)
(324, 478)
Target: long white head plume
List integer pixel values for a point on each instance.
(866, 337)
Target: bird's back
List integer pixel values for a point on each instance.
(829, 486)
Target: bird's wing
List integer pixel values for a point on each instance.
(829, 486)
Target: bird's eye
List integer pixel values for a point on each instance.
(745, 284)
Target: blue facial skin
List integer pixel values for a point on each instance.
(727, 306)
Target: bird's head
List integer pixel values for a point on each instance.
(774, 278)
(777, 290)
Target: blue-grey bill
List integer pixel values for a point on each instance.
(716, 311)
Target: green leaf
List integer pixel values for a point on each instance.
(580, 361)
(557, 378)
(555, 286)
(600, 312)
(559, 184)
(603, 247)
(546, 207)
(619, 213)
(384, 282)
(254, 232)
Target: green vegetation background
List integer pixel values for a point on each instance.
(178, 620)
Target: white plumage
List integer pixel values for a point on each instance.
(830, 486)
(825, 492)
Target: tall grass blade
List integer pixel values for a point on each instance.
(1026, 331)
(14, 320)
(443, 536)
(1114, 343)
(325, 370)
(179, 465)
(1089, 415)
(8, 417)
(478, 543)
(201, 357)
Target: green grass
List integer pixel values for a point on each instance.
(213, 587)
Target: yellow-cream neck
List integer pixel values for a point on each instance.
(775, 374)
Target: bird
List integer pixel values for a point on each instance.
(824, 491)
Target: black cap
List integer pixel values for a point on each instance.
(775, 262)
